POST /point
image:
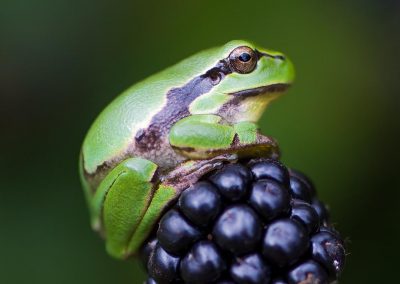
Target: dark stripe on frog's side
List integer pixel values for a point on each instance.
(153, 141)
(148, 143)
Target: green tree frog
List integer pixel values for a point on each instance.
(163, 133)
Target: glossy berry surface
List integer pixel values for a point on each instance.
(151, 281)
(249, 222)
(299, 189)
(305, 214)
(250, 269)
(147, 249)
(232, 181)
(270, 199)
(305, 180)
(285, 241)
(238, 229)
(321, 210)
(202, 264)
(175, 233)
(162, 266)
(270, 169)
(200, 203)
(328, 250)
(308, 272)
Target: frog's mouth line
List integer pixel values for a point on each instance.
(274, 88)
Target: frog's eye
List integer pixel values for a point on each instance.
(243, 59)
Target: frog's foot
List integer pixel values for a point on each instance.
(262, 146)
(189, 172)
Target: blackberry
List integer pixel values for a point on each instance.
(305, 214)
(308, 272)
(299, 189)
(147, 249)
(250, 269)
(162, 266)
(202, 264)
(200, 203)
(321, 209)
(270, 199)
(270, 169)
(238, 229)
(248, 222)
(328, 249)
(175, 233)
(285, 241)
(232, 181)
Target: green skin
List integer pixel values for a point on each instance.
(162, 134)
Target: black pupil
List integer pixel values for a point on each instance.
(244, 57)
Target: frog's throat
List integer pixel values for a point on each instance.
(249, 105)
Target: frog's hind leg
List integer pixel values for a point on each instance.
(179, 179)
(128, 201)
(121, 201)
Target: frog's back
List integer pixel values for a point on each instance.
(114, 130)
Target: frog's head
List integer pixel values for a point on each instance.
(247, 78)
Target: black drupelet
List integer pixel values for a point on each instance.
(250, 222)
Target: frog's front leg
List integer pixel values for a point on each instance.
(204, 136)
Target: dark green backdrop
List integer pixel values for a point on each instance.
(62, 61)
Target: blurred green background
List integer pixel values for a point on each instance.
(62, 61)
